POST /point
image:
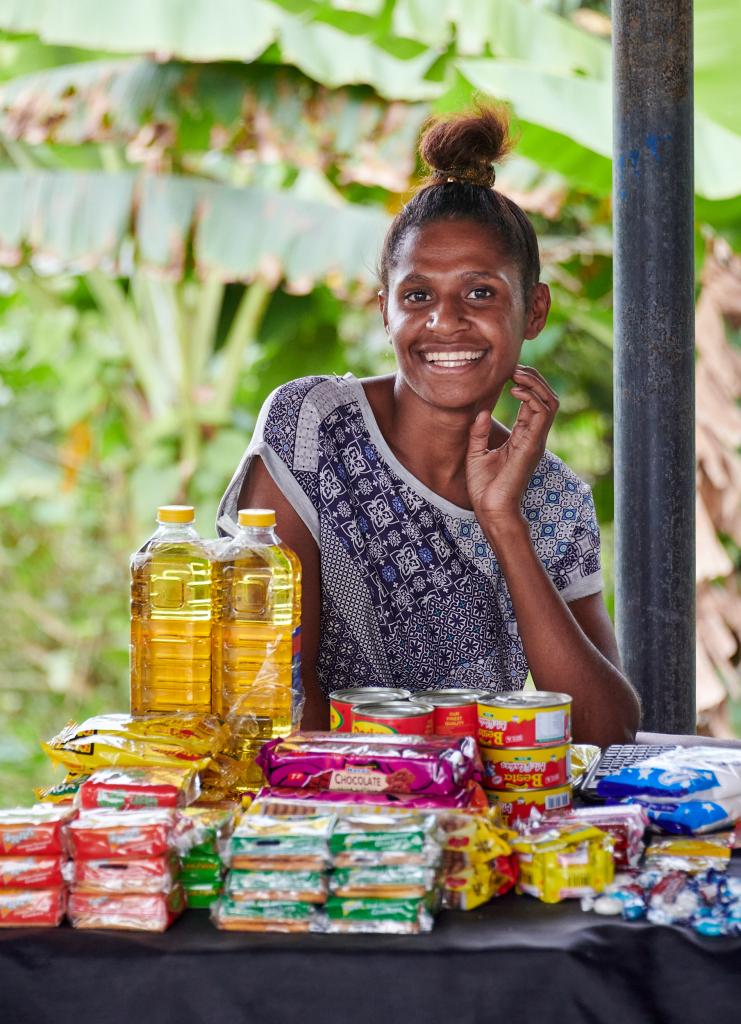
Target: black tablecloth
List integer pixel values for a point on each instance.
(514, 960)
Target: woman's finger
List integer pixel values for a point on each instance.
(530, 377)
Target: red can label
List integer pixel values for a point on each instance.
(518, 805)
(522, 768)
(456, 720)
(409, 725)
(524, 726)
(340, 715)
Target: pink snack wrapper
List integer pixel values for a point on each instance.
(471, 796)
(361, 763)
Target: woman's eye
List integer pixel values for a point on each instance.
(418, 296)
(482, 292)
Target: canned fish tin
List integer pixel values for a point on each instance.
(455, 711)
(394, 716)
(518, 804)
(526, 767)
(341, 703)
(531, 719)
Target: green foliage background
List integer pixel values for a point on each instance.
(138, 341)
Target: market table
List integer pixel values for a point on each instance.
(514, 960)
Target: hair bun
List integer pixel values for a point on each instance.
(463, 147)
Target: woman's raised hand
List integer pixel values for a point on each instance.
(497, 477)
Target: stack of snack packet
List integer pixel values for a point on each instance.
(385, 875)
(478, 860)
(626, 823)
(32, 856)
(202, 867)
(278, 873)
(414, 772)
(563, 861)
(125, 867)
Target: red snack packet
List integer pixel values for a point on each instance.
(33, 831)
(626, 823)
(132, 912)
(31, 872)
(126, 789)
(20, 908)
(107, 835)
(154, 875)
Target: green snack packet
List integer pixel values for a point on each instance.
(265, 911)
(201, 900)
(300, 886)
(210, 877)
(404, 911)
(194, 861)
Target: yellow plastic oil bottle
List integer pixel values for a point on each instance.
(257, 629)
(171, 617)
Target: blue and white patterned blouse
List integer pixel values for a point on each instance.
(412, 594)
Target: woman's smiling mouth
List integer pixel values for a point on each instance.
(452, 360)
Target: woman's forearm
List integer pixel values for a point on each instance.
(560, 655)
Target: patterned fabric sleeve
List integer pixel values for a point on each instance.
(559, 508)
(286, 429)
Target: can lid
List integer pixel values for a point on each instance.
(257, 517)
(392, 709)
(369, 694)
(176, 514)
(524, 700)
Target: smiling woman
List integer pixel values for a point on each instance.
(439, 548)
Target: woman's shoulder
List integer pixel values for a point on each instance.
(555, 483)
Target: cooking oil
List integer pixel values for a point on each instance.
(257, 632)
(171, 617)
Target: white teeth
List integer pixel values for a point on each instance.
(452, 358)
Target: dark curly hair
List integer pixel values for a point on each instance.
(460, 151)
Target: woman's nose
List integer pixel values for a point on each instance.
(446, 318)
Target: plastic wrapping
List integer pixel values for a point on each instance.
(563, 861)
(106, 835)
(264, 916)
(151, 875)
(342, 762)
(684, 790)
(34, 831)
(31, 872)
(23, 908)
(126, 911)
(185, 739)
(127, 789)
(63, 792)
(378, 840)
(469, 884)
(626, 823)
(387, 916)
(673, 853)
(263, 842)
(399, 881)
(470, 795)
(280, 886)
(583, 756)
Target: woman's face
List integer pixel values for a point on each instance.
(456, 314)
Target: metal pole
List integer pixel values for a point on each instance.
(654, 357)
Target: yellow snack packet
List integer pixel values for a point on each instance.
(120, 740)
(564, 862)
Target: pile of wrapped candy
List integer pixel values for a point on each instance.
(32, 854)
